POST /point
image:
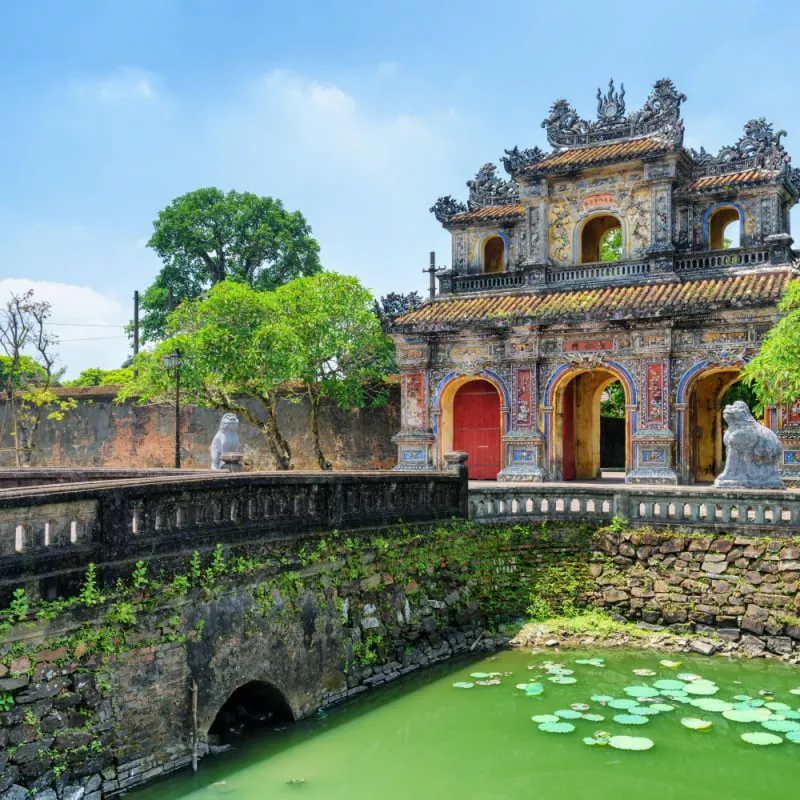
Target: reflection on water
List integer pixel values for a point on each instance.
(422, 738)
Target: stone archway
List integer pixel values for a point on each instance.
(575, 430)
(255, 704)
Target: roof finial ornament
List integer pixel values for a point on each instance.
(611, 107)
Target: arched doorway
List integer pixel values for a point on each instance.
(584, 432)
(254, 705)
(705, 427)
(601, 239)
(476, 428)
(494, 254)
(724, 226)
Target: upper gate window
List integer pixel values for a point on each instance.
(601, 240)
(494, 254)
(723, 228)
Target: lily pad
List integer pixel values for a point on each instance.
(781, 725)
(662, 707)
(711, 704)
(670, 686)
(640, 691)
(534, 689)
(790, 714)
(643, 711)
(644, 673)
(793, 736)
(545, 718)
(747, 715)
(579, 706)
(701, 687)
(522, 686)
(742, 698)
(622, 704)
(689, 677)
(479, 675)
(562, 679)
(778, 707)
(695, 724)
(594, 717)
(557, 727)
(463, 685)
(665, 662)
(567, 713)
(631, 742)
(761, 738)
(601, 698)
(630, 719)
(590, 740)
(795, 691)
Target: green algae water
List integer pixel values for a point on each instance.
(424, 738)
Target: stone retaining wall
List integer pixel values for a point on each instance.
(742, 589)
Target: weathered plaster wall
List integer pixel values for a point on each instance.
(100, 432)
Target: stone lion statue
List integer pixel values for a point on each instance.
(226, 440)
(752, 455)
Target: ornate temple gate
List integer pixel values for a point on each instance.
(476, 428)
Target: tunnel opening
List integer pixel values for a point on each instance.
(253, 706)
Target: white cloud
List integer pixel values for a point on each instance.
(124, 85)
(89, 325)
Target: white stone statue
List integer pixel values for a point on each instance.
(225, 442)
(753, 451)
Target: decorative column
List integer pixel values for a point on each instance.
(785, 421)
(415, 440)
(522, 441)
(653, 440)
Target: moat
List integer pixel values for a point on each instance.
(424, 738)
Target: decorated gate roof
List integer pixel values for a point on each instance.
(748, 290)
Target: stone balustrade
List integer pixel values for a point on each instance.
(745, 511)
(55, 531)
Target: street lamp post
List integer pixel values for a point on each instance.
(172, 363)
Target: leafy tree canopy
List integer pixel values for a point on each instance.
(207, 236)
(774, 374)
(94, 376)
(611, 245)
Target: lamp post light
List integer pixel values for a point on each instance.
(172, 363)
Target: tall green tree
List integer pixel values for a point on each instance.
(774, 374)
(332, 345)
(207, 236)
(228, 356)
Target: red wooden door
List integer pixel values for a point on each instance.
(568, 433)
(476, 428)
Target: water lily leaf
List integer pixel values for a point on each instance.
(622, 704)
(695, 724)
(689, 676)
(534, 689)
(795, 691)
(567, 713)
(590, 740)
(640, 691)
(665, 662)
(742, 698)
(490, 682)
(644, 673)
(630, 719)
(756, 703)
(463, 685)
(793, 736)
(594, 717)
(711, 704)
(479, 674)
(790, 714)
(662, 707)
(557, 727)
(781, 725)
(761, 738)
(562, 679)
(670, 686)
(778, 707)
(747, 715)
(701, 687)
(601, 698)
(545, 718)
(643, 711)
(522, 686)
(562, 671)
(631, 742)
(579, 706)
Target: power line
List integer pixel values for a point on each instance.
(93, 339)
(83, 325)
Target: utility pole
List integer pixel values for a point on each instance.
(432, 272)
(135, 330)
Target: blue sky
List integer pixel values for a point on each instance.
(358, 114)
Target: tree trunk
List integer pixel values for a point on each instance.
(315, 403)
(282, 451)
